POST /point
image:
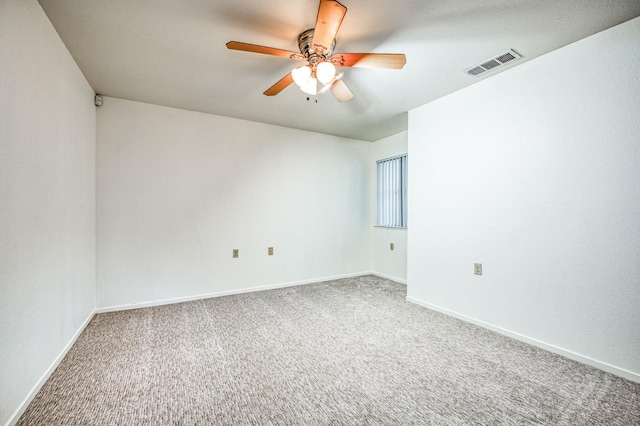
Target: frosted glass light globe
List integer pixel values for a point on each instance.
(311, 88)
(301, 75)
(325, 72)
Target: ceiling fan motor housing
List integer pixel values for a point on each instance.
(305, 43)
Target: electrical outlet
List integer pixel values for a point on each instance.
(236, 253)
(477, 268)
(270, 251)
(392, 246)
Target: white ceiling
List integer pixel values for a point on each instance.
(173, 53)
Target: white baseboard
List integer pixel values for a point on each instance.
(630, 375)
(36, 388)
(161, 302)
(389, 277)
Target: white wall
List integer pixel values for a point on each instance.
(47, 201)
(178, 191)
(535, 173)
(388, 263)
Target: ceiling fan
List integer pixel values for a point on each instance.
(318, 74)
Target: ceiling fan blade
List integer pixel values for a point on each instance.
(330, 16)
(282, 84)
(341, 91)
(255, 48)
(370, 60)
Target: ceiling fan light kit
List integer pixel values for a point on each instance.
(316, 49)
(308, 78)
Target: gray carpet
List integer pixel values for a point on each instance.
(350, 352)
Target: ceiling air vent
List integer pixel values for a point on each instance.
(489, 64)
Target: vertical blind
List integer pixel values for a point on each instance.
(392, 192)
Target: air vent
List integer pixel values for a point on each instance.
(493, 63)
(476, 71)
(490, 64)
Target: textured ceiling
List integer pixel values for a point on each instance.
(173, 53)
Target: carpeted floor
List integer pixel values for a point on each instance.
(348, 352)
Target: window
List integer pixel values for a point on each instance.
(391, 205)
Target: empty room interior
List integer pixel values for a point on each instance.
(195, 231)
